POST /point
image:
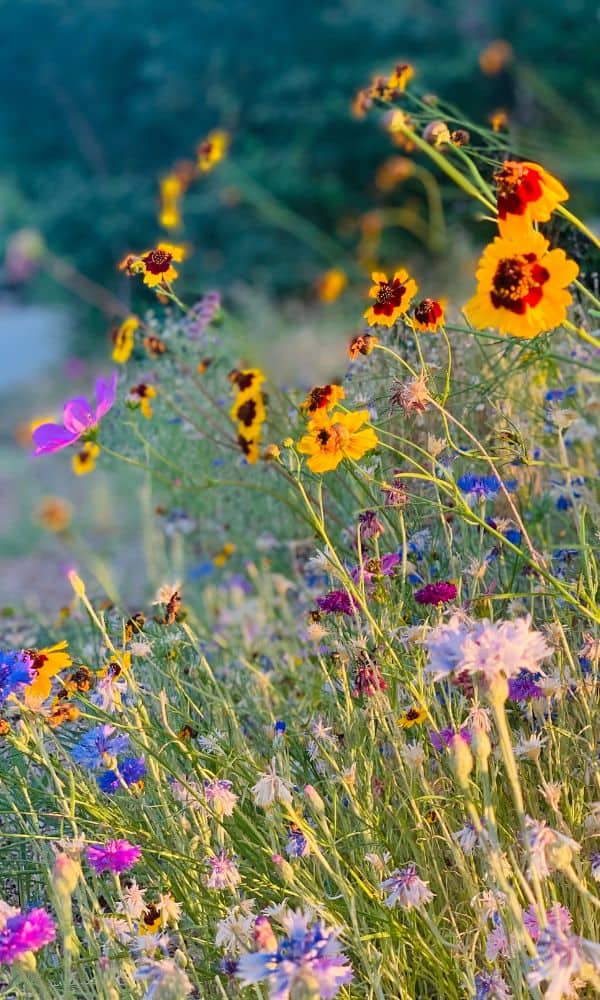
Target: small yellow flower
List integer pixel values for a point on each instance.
(495, 57)
(402, 75)
(124, 339)
(323, 397)
(226, 552)
(171, 190)
(412, 717)
(212, 150)
(336, 436)
(140, 395)
(84, 460)
(392, 298)
(498, 119)
(521, 287)
(331, 284)
(54, 514)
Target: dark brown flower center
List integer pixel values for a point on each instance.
(157, 261)
(518, 283)
(247, 412)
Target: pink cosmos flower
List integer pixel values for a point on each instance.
(115, 856)
(78, 418)
(25, 932)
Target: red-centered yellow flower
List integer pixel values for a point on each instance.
(212, 150)
(323, 397)
(250, 414)
(158, 263)
(246, 379)
(526, 193)
(171, 190)
(402, 75)
(84, 460)
(521, 287)
(124, 339)
(363, 343)
(331, 284)
(412, 717)
(392, 298)
(249, 448)
(47, 663)
(141, 395)
(428, 315)
(336, 436)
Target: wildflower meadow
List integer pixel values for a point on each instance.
(345, 744)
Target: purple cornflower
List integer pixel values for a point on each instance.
(99, 746)
(337, 602)
(25, 932)
(372, 569)
(557, 916)
(114, 856)
(369, 526)
(202, 313)
(395, 492)
(406, 888)
(219, 796)
(16, 670)
(443, 739)
(523, 687)
(491, 986)
(309, 954)
(483, 487)
(131, 770)
(485, 650)
(224, 872)
(78, 419)
(297, 845)
(436, 593)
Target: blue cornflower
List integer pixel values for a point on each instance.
(16, 669)
(297, 845)
(280, 727)
(523, 687)
(132, 770)
(483, 487)
(307, 954)
(95, 745)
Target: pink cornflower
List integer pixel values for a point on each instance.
(219, 796)
(115, 856)
(25, 932)
(224, 872)
(78, 419)
(436, 593)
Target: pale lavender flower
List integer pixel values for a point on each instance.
(309, 956)
(406, 889)
(485, 650)
(467, 838)
(223, 873)
(219, 796)
(595, 863)
(491, 986)
(164, 979)
(559, 959)
(549, 850)
(557, 916)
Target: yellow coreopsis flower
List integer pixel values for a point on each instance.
(392, 298)
(47, 663)
(212, 150)
(84, 460)
(171, 190)
(250, 414)
(526, 193)
(412, 717)
(331, 284)
(156, 265)
(124, 339)
(333, 437)
(521, 287)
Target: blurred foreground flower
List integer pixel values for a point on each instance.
(78, 419)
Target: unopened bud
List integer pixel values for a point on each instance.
(482, 747)
(285, 868)
(314, 798)
(264, 938)
(76, 582)
(65, 875)
(462, 760)
(437, 133)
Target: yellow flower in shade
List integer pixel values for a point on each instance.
(526, 193)
(363, 343)
(249, 413)
(124, 339)
(412, 717)
(212, 150)
(47, 663)
(402, 75)
(331, 284)
(84, 460)
(249, 448)
(171, 190)
(156, 264)
(141, 395)
(54, 514)
(226, 552)
(336, 436)
(429, 315)
(392, 298)
(246, 380)
(521, 287)
(495, 56)
(498, 119)
(323, 397)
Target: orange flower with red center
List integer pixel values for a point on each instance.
(429, 315)
(521, 287)
(392, 298)
(323, 397)
(47, 663)
(526, 193)
(156, 265)
(334, 437)
(363, 344)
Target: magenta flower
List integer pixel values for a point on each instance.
(78, 418)
(115, 856)
(436, 593)
(337, 602)
(25, 932)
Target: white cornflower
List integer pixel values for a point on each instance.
(413, 755)
(530, 746)
(169, 909)
(166, 592)
(271, 788)
(133, 903)
(219, 796)
(406, 889)
(549, 850)
(234, 931)
(140, 648)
